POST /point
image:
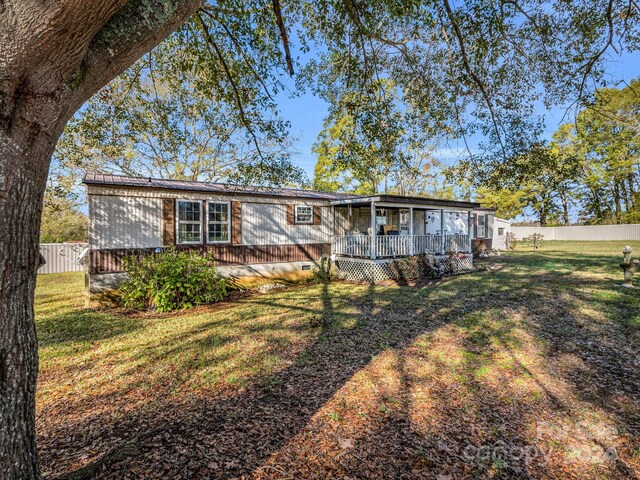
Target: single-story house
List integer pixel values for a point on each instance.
(270, 232)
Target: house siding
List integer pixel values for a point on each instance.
(125, 222)
(132, 218)
(131, 222)
(266, 224)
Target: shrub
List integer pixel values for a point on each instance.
(419, 267)
(322, 269)
(171, 280)
(409, 268)
(478, 246)
(512, 241)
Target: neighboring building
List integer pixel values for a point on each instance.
(501, 228)
(267, 232)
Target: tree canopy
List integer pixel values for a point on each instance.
(449, 71)
(171, 115)
(591, 166)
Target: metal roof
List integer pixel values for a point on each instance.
(434, 202)
(103, 179)
(109, 180)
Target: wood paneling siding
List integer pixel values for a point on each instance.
(268, 224)
(236, 223)
(125, 222)
(110, 261)
(120, 222)
(168, 222)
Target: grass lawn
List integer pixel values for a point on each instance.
(527, 370)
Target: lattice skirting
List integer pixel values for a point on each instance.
(363, 270)
(461, 263)
(373, 271)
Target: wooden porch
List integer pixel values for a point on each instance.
(361, 245)
(390, 227)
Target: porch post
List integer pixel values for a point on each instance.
(442, 231)
(373, 230)
(410, 230)
(469, 223)
(333, 230)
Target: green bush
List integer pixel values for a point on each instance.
(171, 280)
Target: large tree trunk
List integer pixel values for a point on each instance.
(616, 201)
(542, 212)
(53, 57)
(25, 150)
(632, 191)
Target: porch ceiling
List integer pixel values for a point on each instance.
(400, 201)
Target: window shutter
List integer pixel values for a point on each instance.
(291, 214)
(168, 222)
(236, 223)
(317, 215)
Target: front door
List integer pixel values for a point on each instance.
(404, 221)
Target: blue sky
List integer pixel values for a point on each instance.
(306, 114)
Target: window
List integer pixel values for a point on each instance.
(304, 214)
(501, 231)
(481, 233)
(218, 220)
(189, 221)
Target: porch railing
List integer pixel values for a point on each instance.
(458, 242)
(426, 243)
(398, 245)
(352, 245)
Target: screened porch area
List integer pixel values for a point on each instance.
(383, 228)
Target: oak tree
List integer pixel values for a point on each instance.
(469, 67)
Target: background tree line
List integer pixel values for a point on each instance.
(590, 169)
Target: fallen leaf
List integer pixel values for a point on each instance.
(346, 443)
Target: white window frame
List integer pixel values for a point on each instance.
(178, 222)
(310, 221)
(484, 226)
(228, 222)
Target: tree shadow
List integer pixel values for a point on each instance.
(435, 410)
(80, 326)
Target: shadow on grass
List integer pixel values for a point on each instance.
(82, 326)
(474, 425)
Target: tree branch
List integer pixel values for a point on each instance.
(588, 67)
(212, 44)
(277, 10)
(470, 71)
(352, 11)
(130, 33)
(241, 51)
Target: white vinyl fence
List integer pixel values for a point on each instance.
(582, 232)
(62, 257)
